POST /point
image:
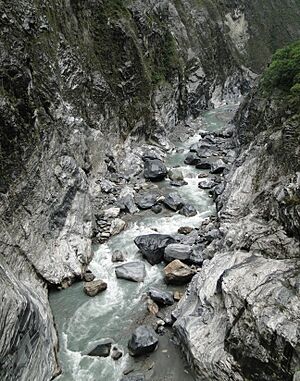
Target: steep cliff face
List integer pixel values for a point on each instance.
(240, 319)
(78, 81)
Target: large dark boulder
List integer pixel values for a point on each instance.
(143, 341)
(162, 298)
(173, 201)
(188, 210)
(207, 184)
(155, 170)
(177, 251)
(146, 200)
(133, 271)
(152, 246)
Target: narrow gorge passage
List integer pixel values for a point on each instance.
(82, 321)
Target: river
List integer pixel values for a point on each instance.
(82, 321)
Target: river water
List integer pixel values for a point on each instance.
(82, 321)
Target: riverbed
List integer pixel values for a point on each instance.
(82, 321)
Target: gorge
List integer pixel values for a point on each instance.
(86, 88)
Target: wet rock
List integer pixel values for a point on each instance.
(155, 170)
(143, 341)
(175, 174)
(162, 298)
(151, 155)
(146, 201)
(102, 349)
(156, 209)
(95, 287)
(136, 377)
(207, 184)
(191, 159)
(88, 276)
(173, 201)
(178, 183)
(118, 256)
(188, 210)
(116, 354)
(203, 165)
(177, 251)
(218, 167)
(177, 272)
(152, 246)
(117, 226)
(185, 230)
(212, 234)
(196, 257)
(218, 190)
(133, 271)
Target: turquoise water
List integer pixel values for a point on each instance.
(82, 321)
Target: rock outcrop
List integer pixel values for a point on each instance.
(240, 317)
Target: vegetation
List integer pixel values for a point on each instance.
(283, 74)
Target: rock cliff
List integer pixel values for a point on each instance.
(80, 83)
(240, 318)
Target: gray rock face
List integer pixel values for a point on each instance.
(240, 318)
(153, 246)
(177, 251)
(155, 170)
(143, 341)
(136, 377)
(133, 271)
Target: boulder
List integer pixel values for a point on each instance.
(156, 209)
(151, 155)
(207, 184)
(173, 201)
(146, 200)
(162, 298)
(175, 174)
(94, 287)
(88, 276)
(143, 341)
(218, 167)
(203, 165)
(118, 256)
(188, 210)
(191, 159)
(155, 170)
(117, 225)
(185, 230)
(126, 201)
(133, 271)
(102, 349)
(177, 251)
(107, 186)
(196, 258)
(178, 184)
(177, 272)
(152, 246)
